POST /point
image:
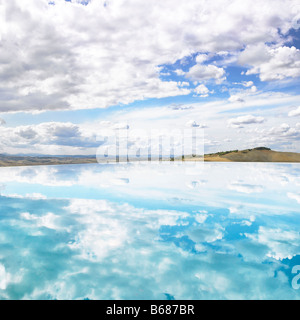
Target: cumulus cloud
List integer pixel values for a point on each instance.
(199, 234)
(206, 72)
(27, 133)
(179, 72)
(284, 130)
(295, 112)
(236, 98)
(239, 122)
(46, 134)
(52, 58)
(202, 90)
(279, 135)
(183, 83)
(281, 243)
(271, 63)
(201, 58)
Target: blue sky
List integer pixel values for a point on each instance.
(68, 69)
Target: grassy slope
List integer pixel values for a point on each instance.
(255, 156)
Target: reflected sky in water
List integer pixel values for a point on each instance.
(150, 231)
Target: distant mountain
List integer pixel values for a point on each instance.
(44, 155)
(14, 160)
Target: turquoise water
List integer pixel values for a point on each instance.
(150, 231)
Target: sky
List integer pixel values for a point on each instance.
(70, 69)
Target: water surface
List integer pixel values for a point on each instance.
(150, 231)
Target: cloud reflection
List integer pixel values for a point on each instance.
(131, 242)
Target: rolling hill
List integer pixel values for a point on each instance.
(260, 154)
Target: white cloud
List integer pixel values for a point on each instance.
(271, 63)
(27, 133)
(239, 122)
(96, 215)
(205, 72)
(247, 83)
(295, 112)
(179, 72)
(201, 58)
(202, 90)
(241, 96)
(236, 98)
(3, 277)
(254, 54)
(277, 136)
(34, 196)
(201, 216)
(183, 84)
(93, 56)
(281, 243)
(294, 196)
(65, 63)
(199, 235)
(48, 220)
(245, 188)
(283, 130)
(49, 138)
